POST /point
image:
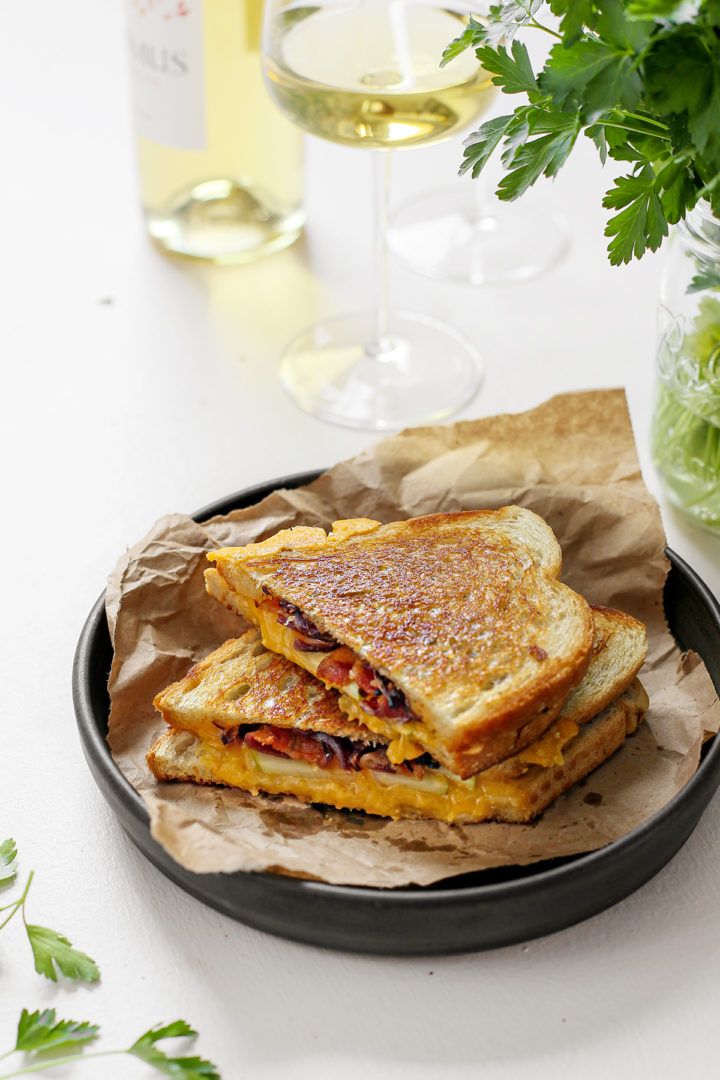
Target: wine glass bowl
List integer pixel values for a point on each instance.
(367, 73)
(463, 235)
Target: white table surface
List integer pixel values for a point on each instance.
(136, 385)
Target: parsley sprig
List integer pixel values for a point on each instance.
(47, 1042)
(640, 78)
(52, 951)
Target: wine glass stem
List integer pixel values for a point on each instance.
(483, 200)
(381, 184)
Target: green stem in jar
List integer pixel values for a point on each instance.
(680, 435)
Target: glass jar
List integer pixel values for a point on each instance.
(686, 420)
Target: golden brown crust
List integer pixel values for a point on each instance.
(508, 741)
(243, 683)
(619, 651)
(460, 611)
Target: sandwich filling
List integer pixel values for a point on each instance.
(328, 752)
(340, 667)
(263, 758)
(333, 752)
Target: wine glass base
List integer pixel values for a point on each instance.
(422, 372)
(450, 236)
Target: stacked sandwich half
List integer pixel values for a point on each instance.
(435, 667)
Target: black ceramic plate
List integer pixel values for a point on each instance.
(478, 911)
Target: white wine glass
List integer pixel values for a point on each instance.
(367, 73)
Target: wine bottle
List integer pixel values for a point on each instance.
(220, 168)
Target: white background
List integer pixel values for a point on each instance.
(134, 386)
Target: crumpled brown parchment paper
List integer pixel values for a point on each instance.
(573, 461)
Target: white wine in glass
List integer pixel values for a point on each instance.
(367, 73)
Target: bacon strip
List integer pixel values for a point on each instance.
(378, 695)
(289, 742)
(336, 667)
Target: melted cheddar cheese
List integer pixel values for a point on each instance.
(439, 795)
(548, 749)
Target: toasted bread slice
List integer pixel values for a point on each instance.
(618, 652)
(461, 614)
(491, 795)
(242, 682)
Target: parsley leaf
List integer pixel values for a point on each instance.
(526, 158)
(708, 278)
(480, 146)
(39, 1031)
(577, 14)
(472, 36)
(507, 18)
(513, 73)
(641, 78)
(51, 949)
(617, 83)
(542, 156)
(678, 73)
(504, 22)
(614, 26)
(569, 70)
(641, 224)
(703, 124)
(678, 192)
(599, 137)
(8, 862)
(182, 1068)
(591, 75)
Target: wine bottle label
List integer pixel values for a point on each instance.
(167, 70)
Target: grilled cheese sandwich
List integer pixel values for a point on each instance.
(449, 631)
